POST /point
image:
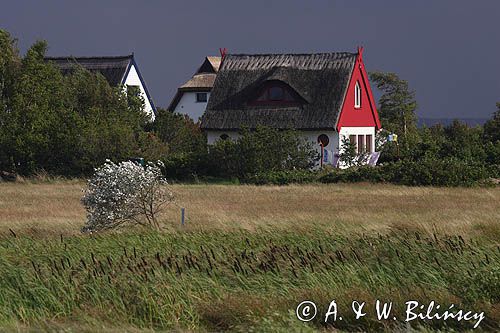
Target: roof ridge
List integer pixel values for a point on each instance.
(129, 56)
(291, 54)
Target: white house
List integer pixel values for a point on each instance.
(192, 97)
(325, 96)
(118, 70)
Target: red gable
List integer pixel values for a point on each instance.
(366, 114)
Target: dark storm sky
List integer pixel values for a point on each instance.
(449, 50)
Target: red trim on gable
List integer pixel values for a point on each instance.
(366, 115)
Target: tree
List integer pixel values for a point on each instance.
(492, 127)
(179, 132)
(397, 106)
(9, 66)
(125, 193)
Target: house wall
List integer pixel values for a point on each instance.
(134, 80)
(188, 105)
(345, 132)
(332, 147)
(310, 136)
(213, 136)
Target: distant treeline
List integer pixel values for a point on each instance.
(69, 125)
(429, 122)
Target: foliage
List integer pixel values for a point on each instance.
(125, 193)
(397, 104)
(65, 125)
(349, 156)
(230, 281)
(492, 127)
(68, 125)
(179, 132)
(262, 150)
(396, 109)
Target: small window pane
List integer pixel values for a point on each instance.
(369, 143)
(357, 95)
(352, 139)
(276, 94)
(361, 144)
(201, 97)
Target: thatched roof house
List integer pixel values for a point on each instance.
(324, 94)
(192, 96)
(117, 70)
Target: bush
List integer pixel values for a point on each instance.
(260, 151)
(437, 172)
(125, 193)
(428, 171)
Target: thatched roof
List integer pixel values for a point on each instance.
(202, 80)
(320, 79)
(112, 68)
(199, 82)
(211, 64)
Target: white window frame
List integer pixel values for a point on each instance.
(357, 95)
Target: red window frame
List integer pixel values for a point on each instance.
(266, 90)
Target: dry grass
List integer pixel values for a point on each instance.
(55, 208)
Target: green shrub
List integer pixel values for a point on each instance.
(261, 151)
(437, 172)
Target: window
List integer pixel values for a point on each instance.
(369, 143)
(224, 136)
(357, 95)
(352, 139)
(323, 139)
(276, 94)
(201, 97)
(361, 144)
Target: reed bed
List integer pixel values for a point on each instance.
(242, 280)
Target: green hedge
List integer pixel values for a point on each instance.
(426, 172)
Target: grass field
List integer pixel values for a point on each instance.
(247, 256)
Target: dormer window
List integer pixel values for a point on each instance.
(276, 93)
(357, 95)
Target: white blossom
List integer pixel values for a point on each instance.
(125, 193)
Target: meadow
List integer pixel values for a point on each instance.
(247, 256)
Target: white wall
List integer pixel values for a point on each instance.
(188, 105)
(347, 131)
(213, 136)
(134, 80)
(334, 146)
(311, 136)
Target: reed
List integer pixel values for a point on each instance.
(232, 281)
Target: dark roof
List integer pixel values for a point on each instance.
(321, 80)
(112, 68)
